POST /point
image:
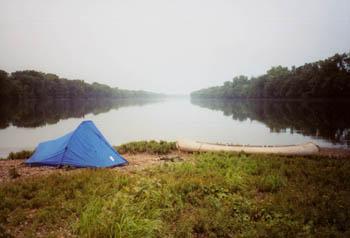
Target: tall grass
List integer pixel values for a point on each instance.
(220, 195)
(152, 147)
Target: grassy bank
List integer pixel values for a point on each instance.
(218, 195)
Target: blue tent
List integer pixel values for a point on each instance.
(83, 147)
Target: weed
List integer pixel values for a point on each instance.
(13, 173)
(270, 183)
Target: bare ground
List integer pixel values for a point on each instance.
(136, 162)
(334, 152)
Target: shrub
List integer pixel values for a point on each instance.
(152, 147)
(24, 154)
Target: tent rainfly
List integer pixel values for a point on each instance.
(83, 147)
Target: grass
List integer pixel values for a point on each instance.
(152, 147)
(218, 195)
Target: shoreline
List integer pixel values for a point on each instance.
(137, 161)
(324, 151)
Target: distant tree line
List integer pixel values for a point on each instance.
(329, 78)
(30, 84)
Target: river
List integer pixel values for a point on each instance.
(253, 122)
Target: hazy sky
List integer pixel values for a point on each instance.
(168, 46)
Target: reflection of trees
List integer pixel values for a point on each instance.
(320, 119)
(35, 113)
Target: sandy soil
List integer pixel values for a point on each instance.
(334, 152)
(136, 162)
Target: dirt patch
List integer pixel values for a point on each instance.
(144, 160)
(334, 152)
(22, 170)
(136, 162)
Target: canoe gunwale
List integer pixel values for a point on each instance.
(309, 148)
(258, 146)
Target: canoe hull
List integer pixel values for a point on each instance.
(309, 148)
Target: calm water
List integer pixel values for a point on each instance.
(23, 126)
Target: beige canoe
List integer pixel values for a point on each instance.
(309, 148)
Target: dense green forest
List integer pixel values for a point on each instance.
(31, 84)
(323, 119)
(329, 78)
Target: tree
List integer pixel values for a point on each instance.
(329, 78)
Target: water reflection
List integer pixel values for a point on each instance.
(327, 120)
(34, 113)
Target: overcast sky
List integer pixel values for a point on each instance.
(168, 46)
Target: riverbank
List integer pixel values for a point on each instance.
(138, 160)
(182, 195)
